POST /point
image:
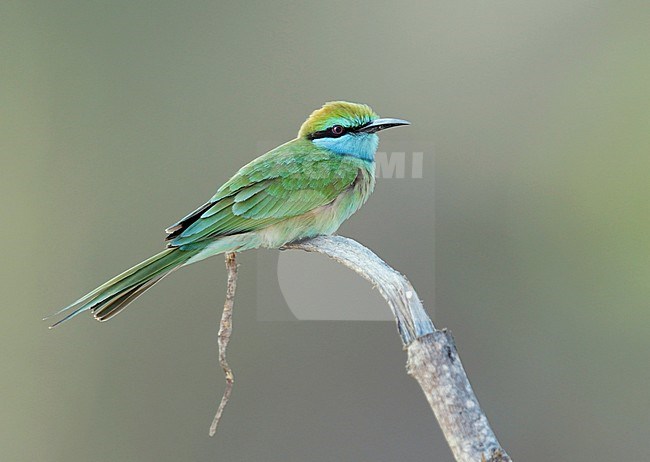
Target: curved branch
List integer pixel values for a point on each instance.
(432, 357)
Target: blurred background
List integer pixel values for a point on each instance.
(531, 222)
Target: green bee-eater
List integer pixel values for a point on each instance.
(301, 189)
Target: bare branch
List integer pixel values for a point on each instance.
(432, 357)
(412, 320)
(225, 329)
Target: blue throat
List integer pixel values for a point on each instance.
(360, 145)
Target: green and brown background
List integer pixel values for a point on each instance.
(531, 221)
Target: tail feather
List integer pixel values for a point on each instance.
(113, 296)
(117, 304)
(110, 283)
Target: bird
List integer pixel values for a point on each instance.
(301, 189)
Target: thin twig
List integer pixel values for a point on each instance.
(225, 329)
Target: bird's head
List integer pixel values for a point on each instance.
(346, 128)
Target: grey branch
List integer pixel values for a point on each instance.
(225, 329)
(432, 357)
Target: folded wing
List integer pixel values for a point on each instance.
(279, 185)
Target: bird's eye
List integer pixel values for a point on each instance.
(337, 130)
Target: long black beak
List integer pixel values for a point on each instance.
(382, 124)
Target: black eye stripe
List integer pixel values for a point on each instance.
(328, 133)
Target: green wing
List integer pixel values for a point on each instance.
(286, 182)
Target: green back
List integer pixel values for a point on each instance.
(288, 181)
